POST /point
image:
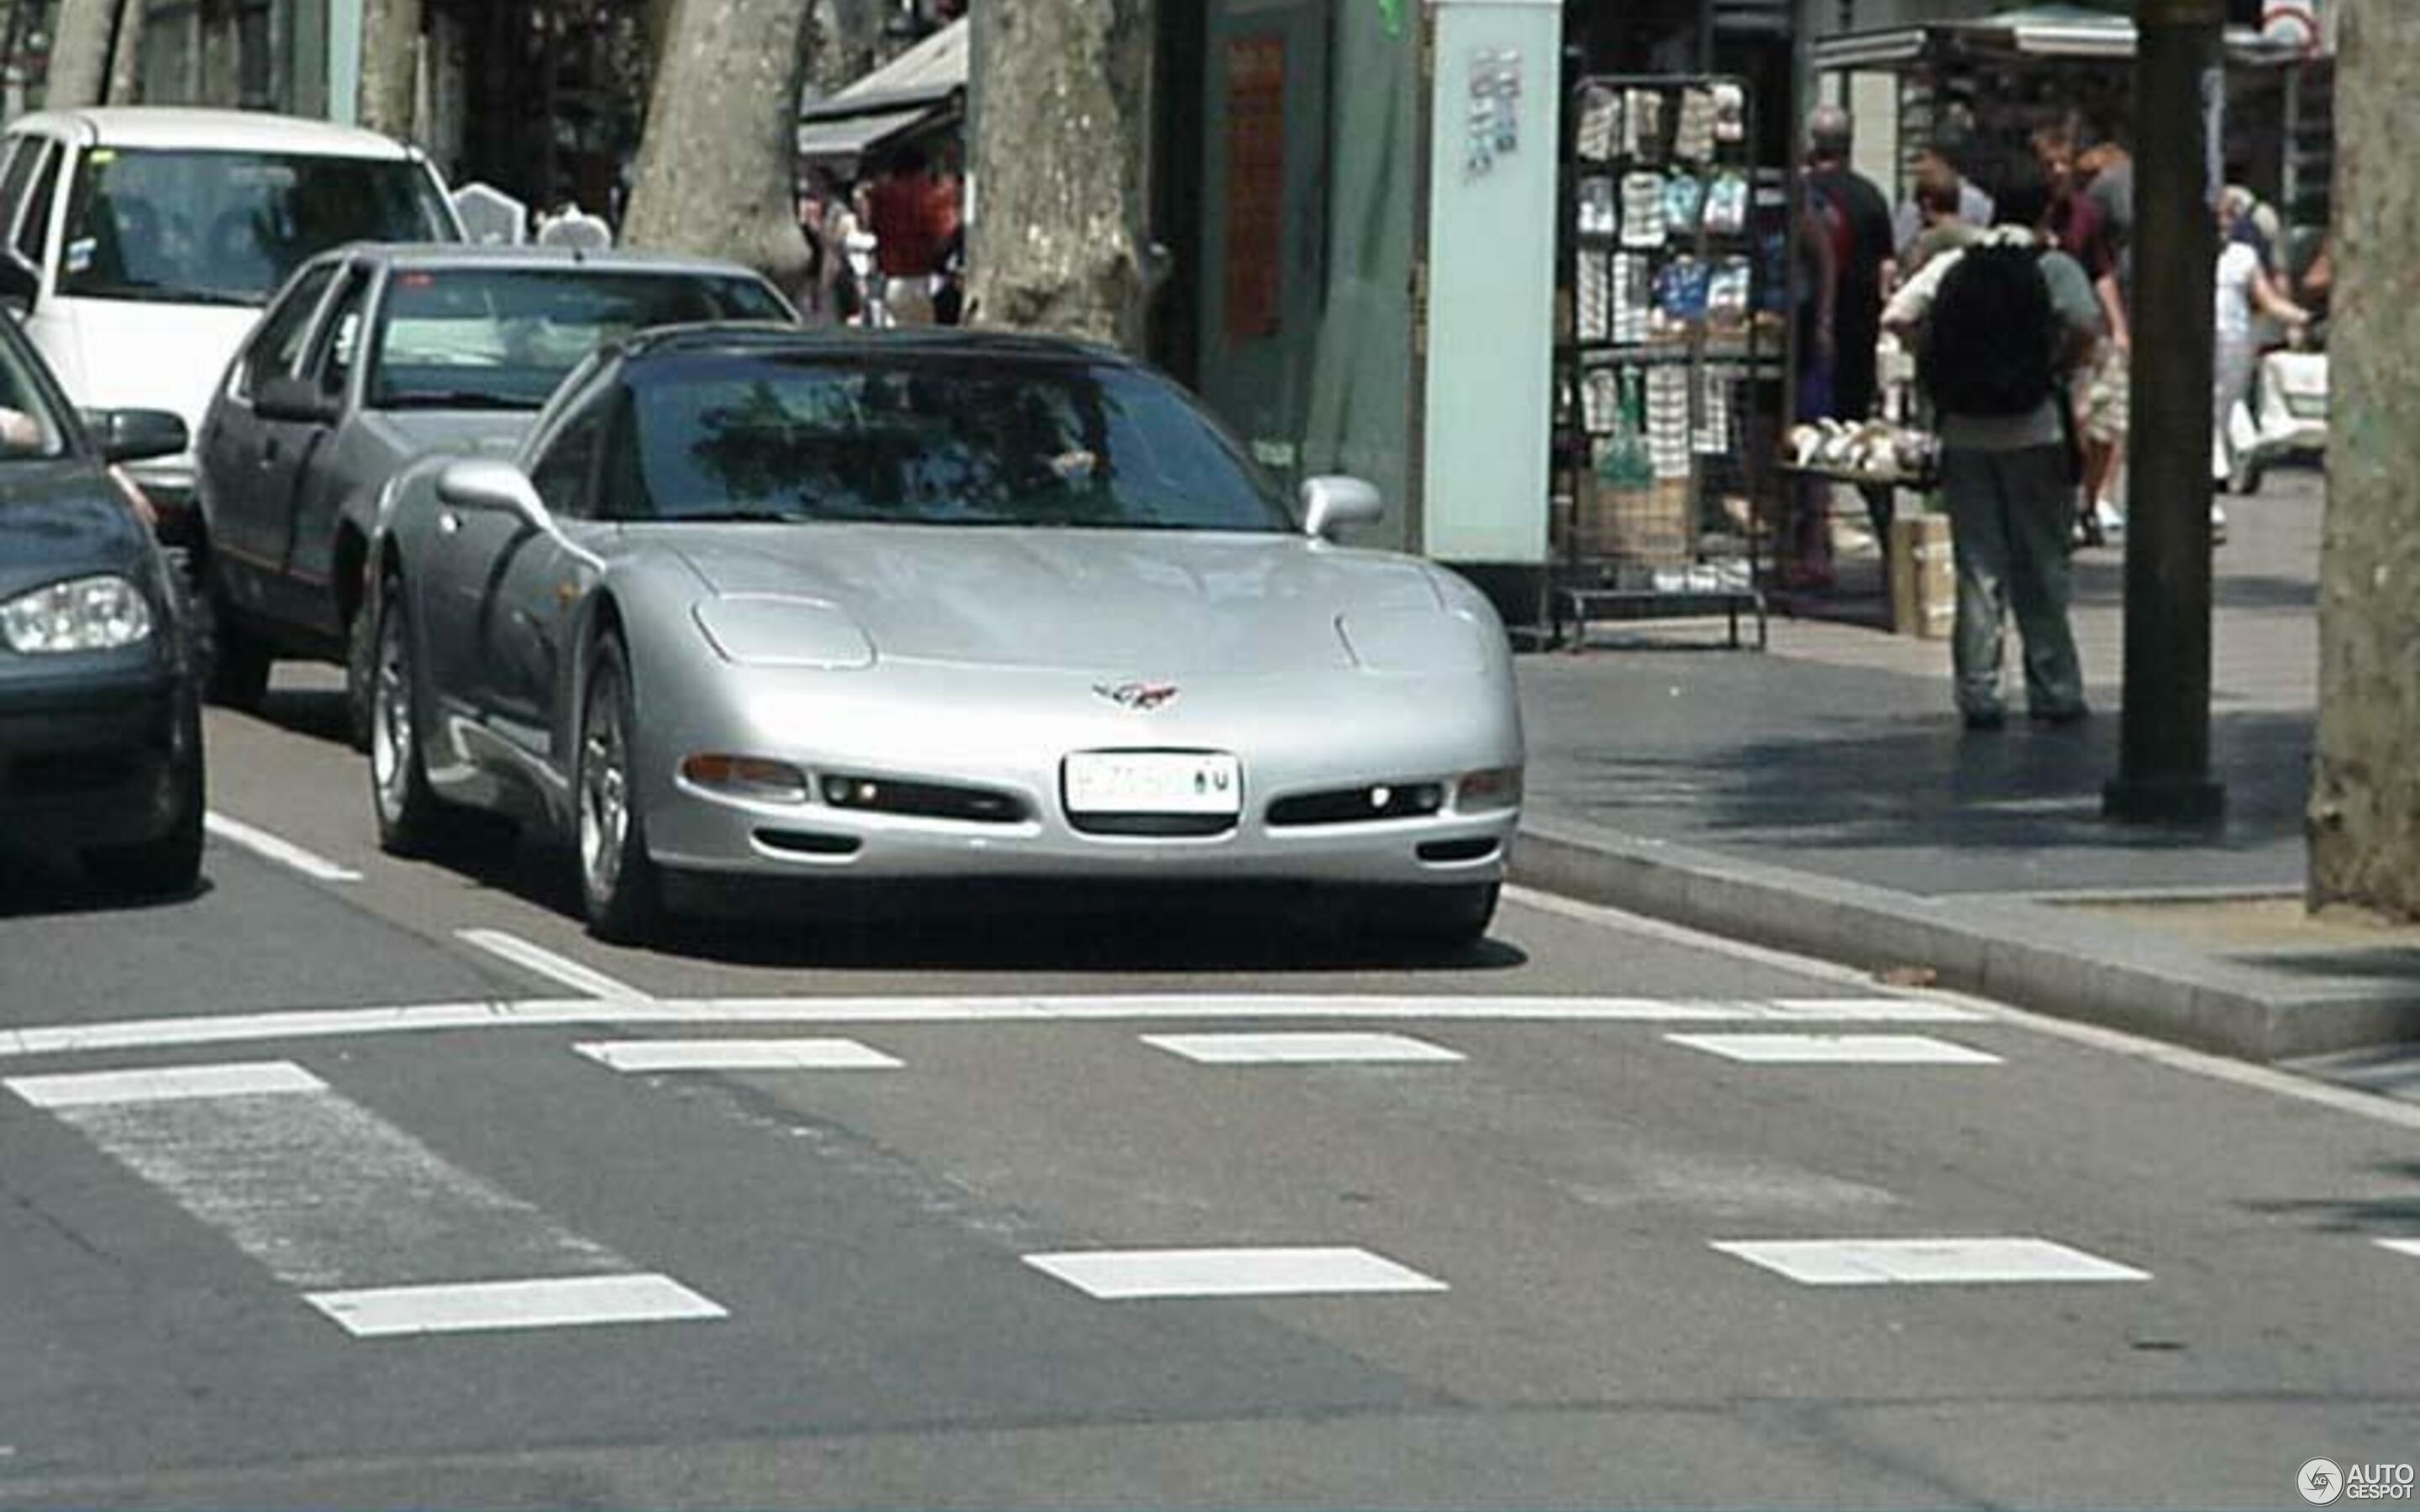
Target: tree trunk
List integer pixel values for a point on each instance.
(1059, 161)
(222, 56)
(717, 169)
(79, 68)
(389, 89)
(847, 34)
(126, 58)
(2364, 813)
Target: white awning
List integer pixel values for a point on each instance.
(929, 73)
(851, 137)
(2042, 31)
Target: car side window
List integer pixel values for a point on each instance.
(34, 228)
(22, 155)
(279, 344)
(340, 334)
(562, 471)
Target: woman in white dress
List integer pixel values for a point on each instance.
(2244, 289)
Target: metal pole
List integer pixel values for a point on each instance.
(2164, 765)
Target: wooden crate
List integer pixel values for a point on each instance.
(1651, 525)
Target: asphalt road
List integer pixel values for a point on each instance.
(352, 1183)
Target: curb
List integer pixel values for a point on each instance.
(2030, 954)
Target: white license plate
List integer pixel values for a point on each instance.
(1154, 782)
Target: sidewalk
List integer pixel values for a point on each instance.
(1824, 797)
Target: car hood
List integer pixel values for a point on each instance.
(1121, 602)
(412, 432)
(62, 519)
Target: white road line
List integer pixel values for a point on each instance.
(573, 1301)
(2276, 1083)
(325, 1194)
(1880, 1263)
(351, 1023)
(1836, 1049)
(1873, 1011)
(1300, 1049)
(560, 969)
(164, 1085)
(2401, 1246)
(639, 1055)
(1123, 1275)
(284, 852)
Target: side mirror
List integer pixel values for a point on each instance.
(493, 486)
(136, 435)
(21, 282)
(294, 399)
(1330, 503)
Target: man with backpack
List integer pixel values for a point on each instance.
(2000, 325)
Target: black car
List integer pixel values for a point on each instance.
(101, 735)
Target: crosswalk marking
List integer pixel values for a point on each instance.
(572, 1301)
(737, 1054)
(1836, 1049)
(2401, 1246)
(1300, 1049)
(1115, 1275)
(270, 847)
(1871, 1262)
(560, 969)
(164, 1084)
(348, 1022)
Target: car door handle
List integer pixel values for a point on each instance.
(448, 522)
(269, 452)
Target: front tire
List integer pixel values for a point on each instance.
(169, 865)
(1441, 919)
(617, 878)
(234, 662)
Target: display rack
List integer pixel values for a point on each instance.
(1669, 375)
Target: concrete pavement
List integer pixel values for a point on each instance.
(1822, 797)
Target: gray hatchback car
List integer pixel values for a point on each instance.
(373, 355)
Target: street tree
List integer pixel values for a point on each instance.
(2364, 810)
(847, 36)
(80, 47)
(717, 162)
(1059, 164)
(389, 94)
(126, 60)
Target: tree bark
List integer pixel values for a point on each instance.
(847, 34)
(390, 88)
(2365, 812)
(79, 67)
(717, 168)
(126, 58)
(1060, 166)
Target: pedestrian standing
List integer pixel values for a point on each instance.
(912, 215)
(1865, 253)
(1936, 168)
(2073, 222)
(1998, 329)
(2104, 410)
(2244, 288)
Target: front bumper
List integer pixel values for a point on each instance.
(91, 761)
(1292, 739)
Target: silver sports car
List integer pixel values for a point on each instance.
(754, 605)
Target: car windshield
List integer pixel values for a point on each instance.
(203, 227)
(928, 439)
(501, 338)
(30, 428)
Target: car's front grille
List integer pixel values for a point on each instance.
(808, 843)
(921, 801)
(1358, 806)
(1171, 824)
(1457, 850)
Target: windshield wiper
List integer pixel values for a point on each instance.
(454, 399)
(153, 292)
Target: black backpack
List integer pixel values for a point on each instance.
(1990, 345)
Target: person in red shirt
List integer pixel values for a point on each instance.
(914, 218)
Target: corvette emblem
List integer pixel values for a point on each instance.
(1143, 696)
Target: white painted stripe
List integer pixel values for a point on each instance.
(737, 1054)
(1871, 1010)
(2273, 1082)
(1872, 1262)
(270, 847)
(1300, 1049)
(164, 1084)
(1836, 1049)
(1122, 1274)
(574, 1301)
(2401, 1246)
(561, 969)
(327, 1195)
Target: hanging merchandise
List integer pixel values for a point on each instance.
(1593, 299)
(1684, 204)
(1601, 402)
(1667, 421)
(1727, 295)
(1599, 137)
(1626, 462)
(1731, 113)
(1717, 393)
(1642, 210)
(1599, 216)
(1727, 202)
(1693, 139)
(1642, 125)
(1633, 298)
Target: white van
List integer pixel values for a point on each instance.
(139, 243)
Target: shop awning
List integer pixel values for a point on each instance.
(2042, 31)
(853, 136)
(931, 73)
